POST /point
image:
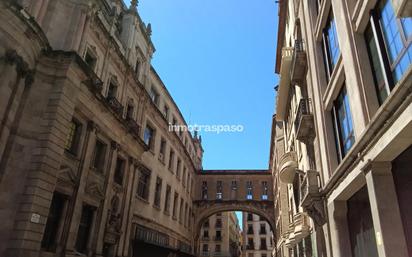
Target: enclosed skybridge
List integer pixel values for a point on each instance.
(233, 190)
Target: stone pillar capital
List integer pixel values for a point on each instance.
(377, 167)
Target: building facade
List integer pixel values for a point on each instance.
(341, 137)
(221, 236)
(88, 163)
(257, 236)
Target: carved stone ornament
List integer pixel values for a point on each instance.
(95, 190)
(66, 176)
(316, 212)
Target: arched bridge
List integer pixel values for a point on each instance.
(233, 190)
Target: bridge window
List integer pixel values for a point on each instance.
(219, 189)
(263, 244)
(249, 190)
(250, 244)
(262, 229)
(218, 235)
(250, 217)
(233, 190)
(218, 223)
(205, 248)
(264, 190)
(204, 190)
(250, 229)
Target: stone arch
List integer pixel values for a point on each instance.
(205, 209)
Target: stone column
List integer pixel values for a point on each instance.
(338, 222)
(102, 217)
(128, 208)
(390, 238)
(77, 203)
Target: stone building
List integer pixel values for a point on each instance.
(220, 236)
(342, 133)
(257, 236)
(88, 164)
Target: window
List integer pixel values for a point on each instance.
(376, 66)
(178, 166)
(218, 223)
(204, 190)
(205, 248)
(219, 214)
(250, 229)
(73, 138)
(166, 112)
(112, 92)
(250, 217)
(343, 124)
(99, 155)
(186, 215)
(264, 190)
(172, 160)
(175, 203)
(129, 111)
(137, 67)
(184, 177)
(158, 191)
(218, 235)
(250, 244)
(167, 198)
(206, 234)
(262, 229)
(249, 190)
(330, 44)
(149, 136)
(83, 233)
(54, 219)
(181, 211)
(162, 150)
(90, 59)
(219, 190)
(188, 181)
(119, 171)
(263, 245)
(218, 249)
(154, 95)
(397, 36)
(144, 184)
(389, 44)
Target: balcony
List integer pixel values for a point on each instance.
(115, 105)
(205, 238)
(299, 63)
(284, 83)
(403, 8)
(291, 240)
(311, 199)
(287, 167)
(218, 238)
(134, 128)
(302, 226)
(304, 124)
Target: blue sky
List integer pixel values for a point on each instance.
(217, 59)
